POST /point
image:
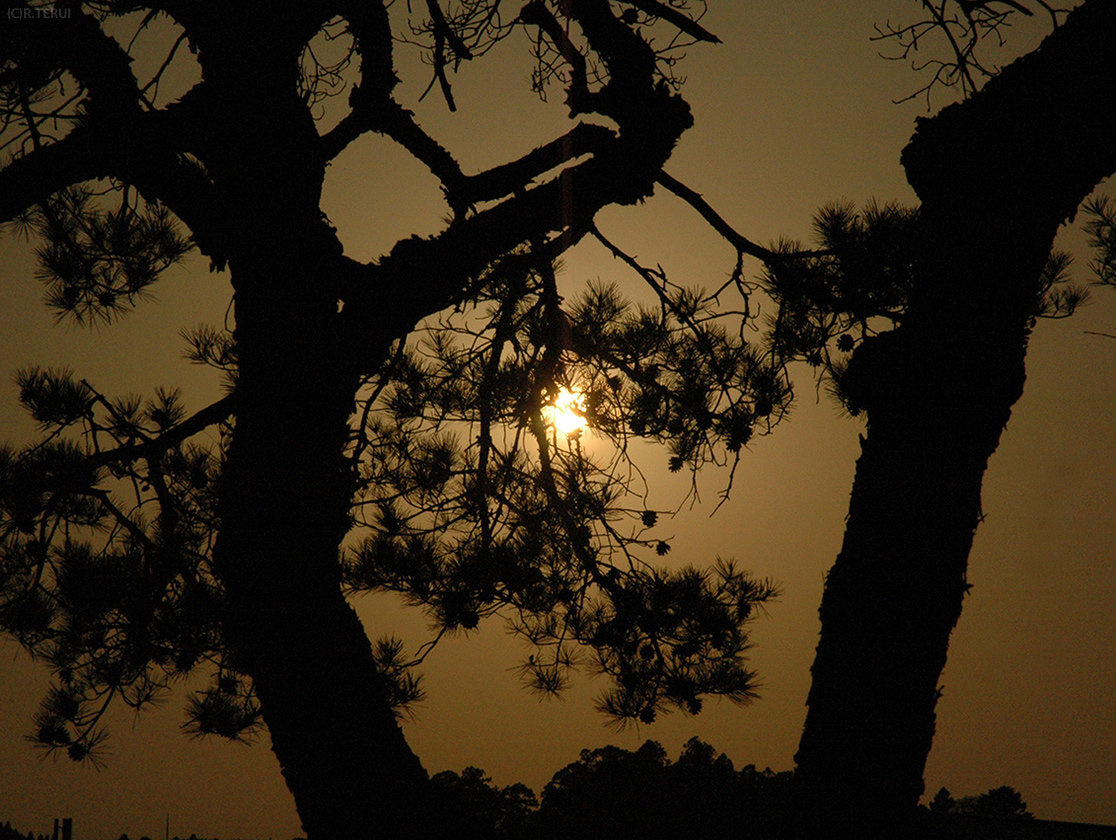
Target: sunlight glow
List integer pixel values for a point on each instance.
(567, 414)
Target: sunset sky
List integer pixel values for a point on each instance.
(794, 110)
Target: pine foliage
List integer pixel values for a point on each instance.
(471, 505)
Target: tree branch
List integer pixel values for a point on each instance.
(117, 138)
(388, 117)
(79, 45)
(81, 155)
(735, 239)
(578, 97)
(153, 448)
(687, 24)
(379, 300)
(1062, 128)
(583, 138)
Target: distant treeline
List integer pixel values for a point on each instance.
(612, 792)
(9, 833)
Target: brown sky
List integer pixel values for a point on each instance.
(794, 110)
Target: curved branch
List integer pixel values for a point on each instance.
(623, 170)
(578, 97)
(443, 265)
(383, 115)
(141, 152)
(79, 156)
(370, 27)
(715, 220)
(116, 138)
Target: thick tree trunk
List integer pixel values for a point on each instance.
(286, 488)
(997, 176)
(286, 493)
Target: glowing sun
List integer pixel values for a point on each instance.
(567, 413)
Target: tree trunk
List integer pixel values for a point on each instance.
(286, 492)
(285, 501)
(997, 175)
(286, 487)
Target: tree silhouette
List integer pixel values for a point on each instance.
(135, 554)
(612, 792)
(919, 320)
(609, 790)
(997, 174)
(999, 803)
(1101, 228)
(483, 810)
(7, 832)
(1003, 802)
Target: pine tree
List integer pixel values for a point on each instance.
(135, 554)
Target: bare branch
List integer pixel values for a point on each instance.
(737, 240)
(578, 98)
(675, 17)
(965, 26)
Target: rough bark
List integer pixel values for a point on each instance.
(997, 175)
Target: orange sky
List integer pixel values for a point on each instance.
(794, 110)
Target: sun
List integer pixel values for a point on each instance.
(567, 413)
